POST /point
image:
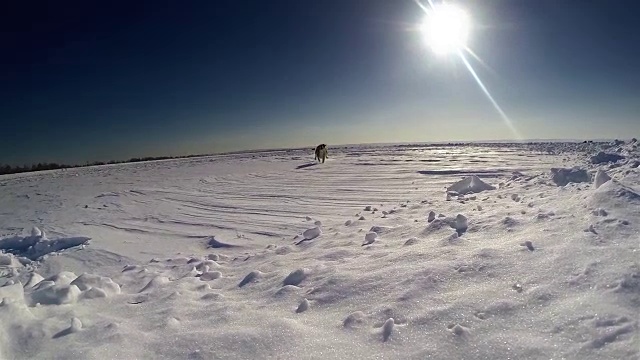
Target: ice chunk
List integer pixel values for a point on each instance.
(601, 178)
(468, 185)
(562, 176)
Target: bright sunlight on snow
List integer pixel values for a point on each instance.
(484, 251)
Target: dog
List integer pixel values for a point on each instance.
(321, 153)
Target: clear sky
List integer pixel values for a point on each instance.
(85, 80)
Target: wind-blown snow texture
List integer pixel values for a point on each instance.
(253, 256)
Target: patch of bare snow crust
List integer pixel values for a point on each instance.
(477, 251)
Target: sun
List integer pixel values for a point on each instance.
(446, 29)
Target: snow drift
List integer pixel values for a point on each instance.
(37, 245)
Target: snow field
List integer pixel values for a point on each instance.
(250, 256)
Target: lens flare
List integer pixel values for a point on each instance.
(446, 30)
(504, 116)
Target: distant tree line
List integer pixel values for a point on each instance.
(8, 169)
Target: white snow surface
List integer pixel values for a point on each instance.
(260, 256)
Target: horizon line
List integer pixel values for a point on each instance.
(259, 150)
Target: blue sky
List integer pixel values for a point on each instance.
(82, 81)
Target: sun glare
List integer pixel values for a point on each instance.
(446, 29)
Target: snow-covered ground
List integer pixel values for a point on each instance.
(271, 256)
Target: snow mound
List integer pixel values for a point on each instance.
(470, 185)
(76, 326)
(601, 178)
(9, 261)
(210, 275)
(387, 329)
(11, 294)
(213, 243)
(603, 157)
(56, 294)
(380, 230)
(613, 194)
(296, 277)
(154, 283)
(411, 241)
(564, 176)
(437, 225)
(304, 306)
(312, 233)
(88, 281)
(354, 320)
(37, 245)
(36, 232)
(250, 278)
(66, 288)
(63, 277)
(34, 279)
(370, 238)
(460, 224)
